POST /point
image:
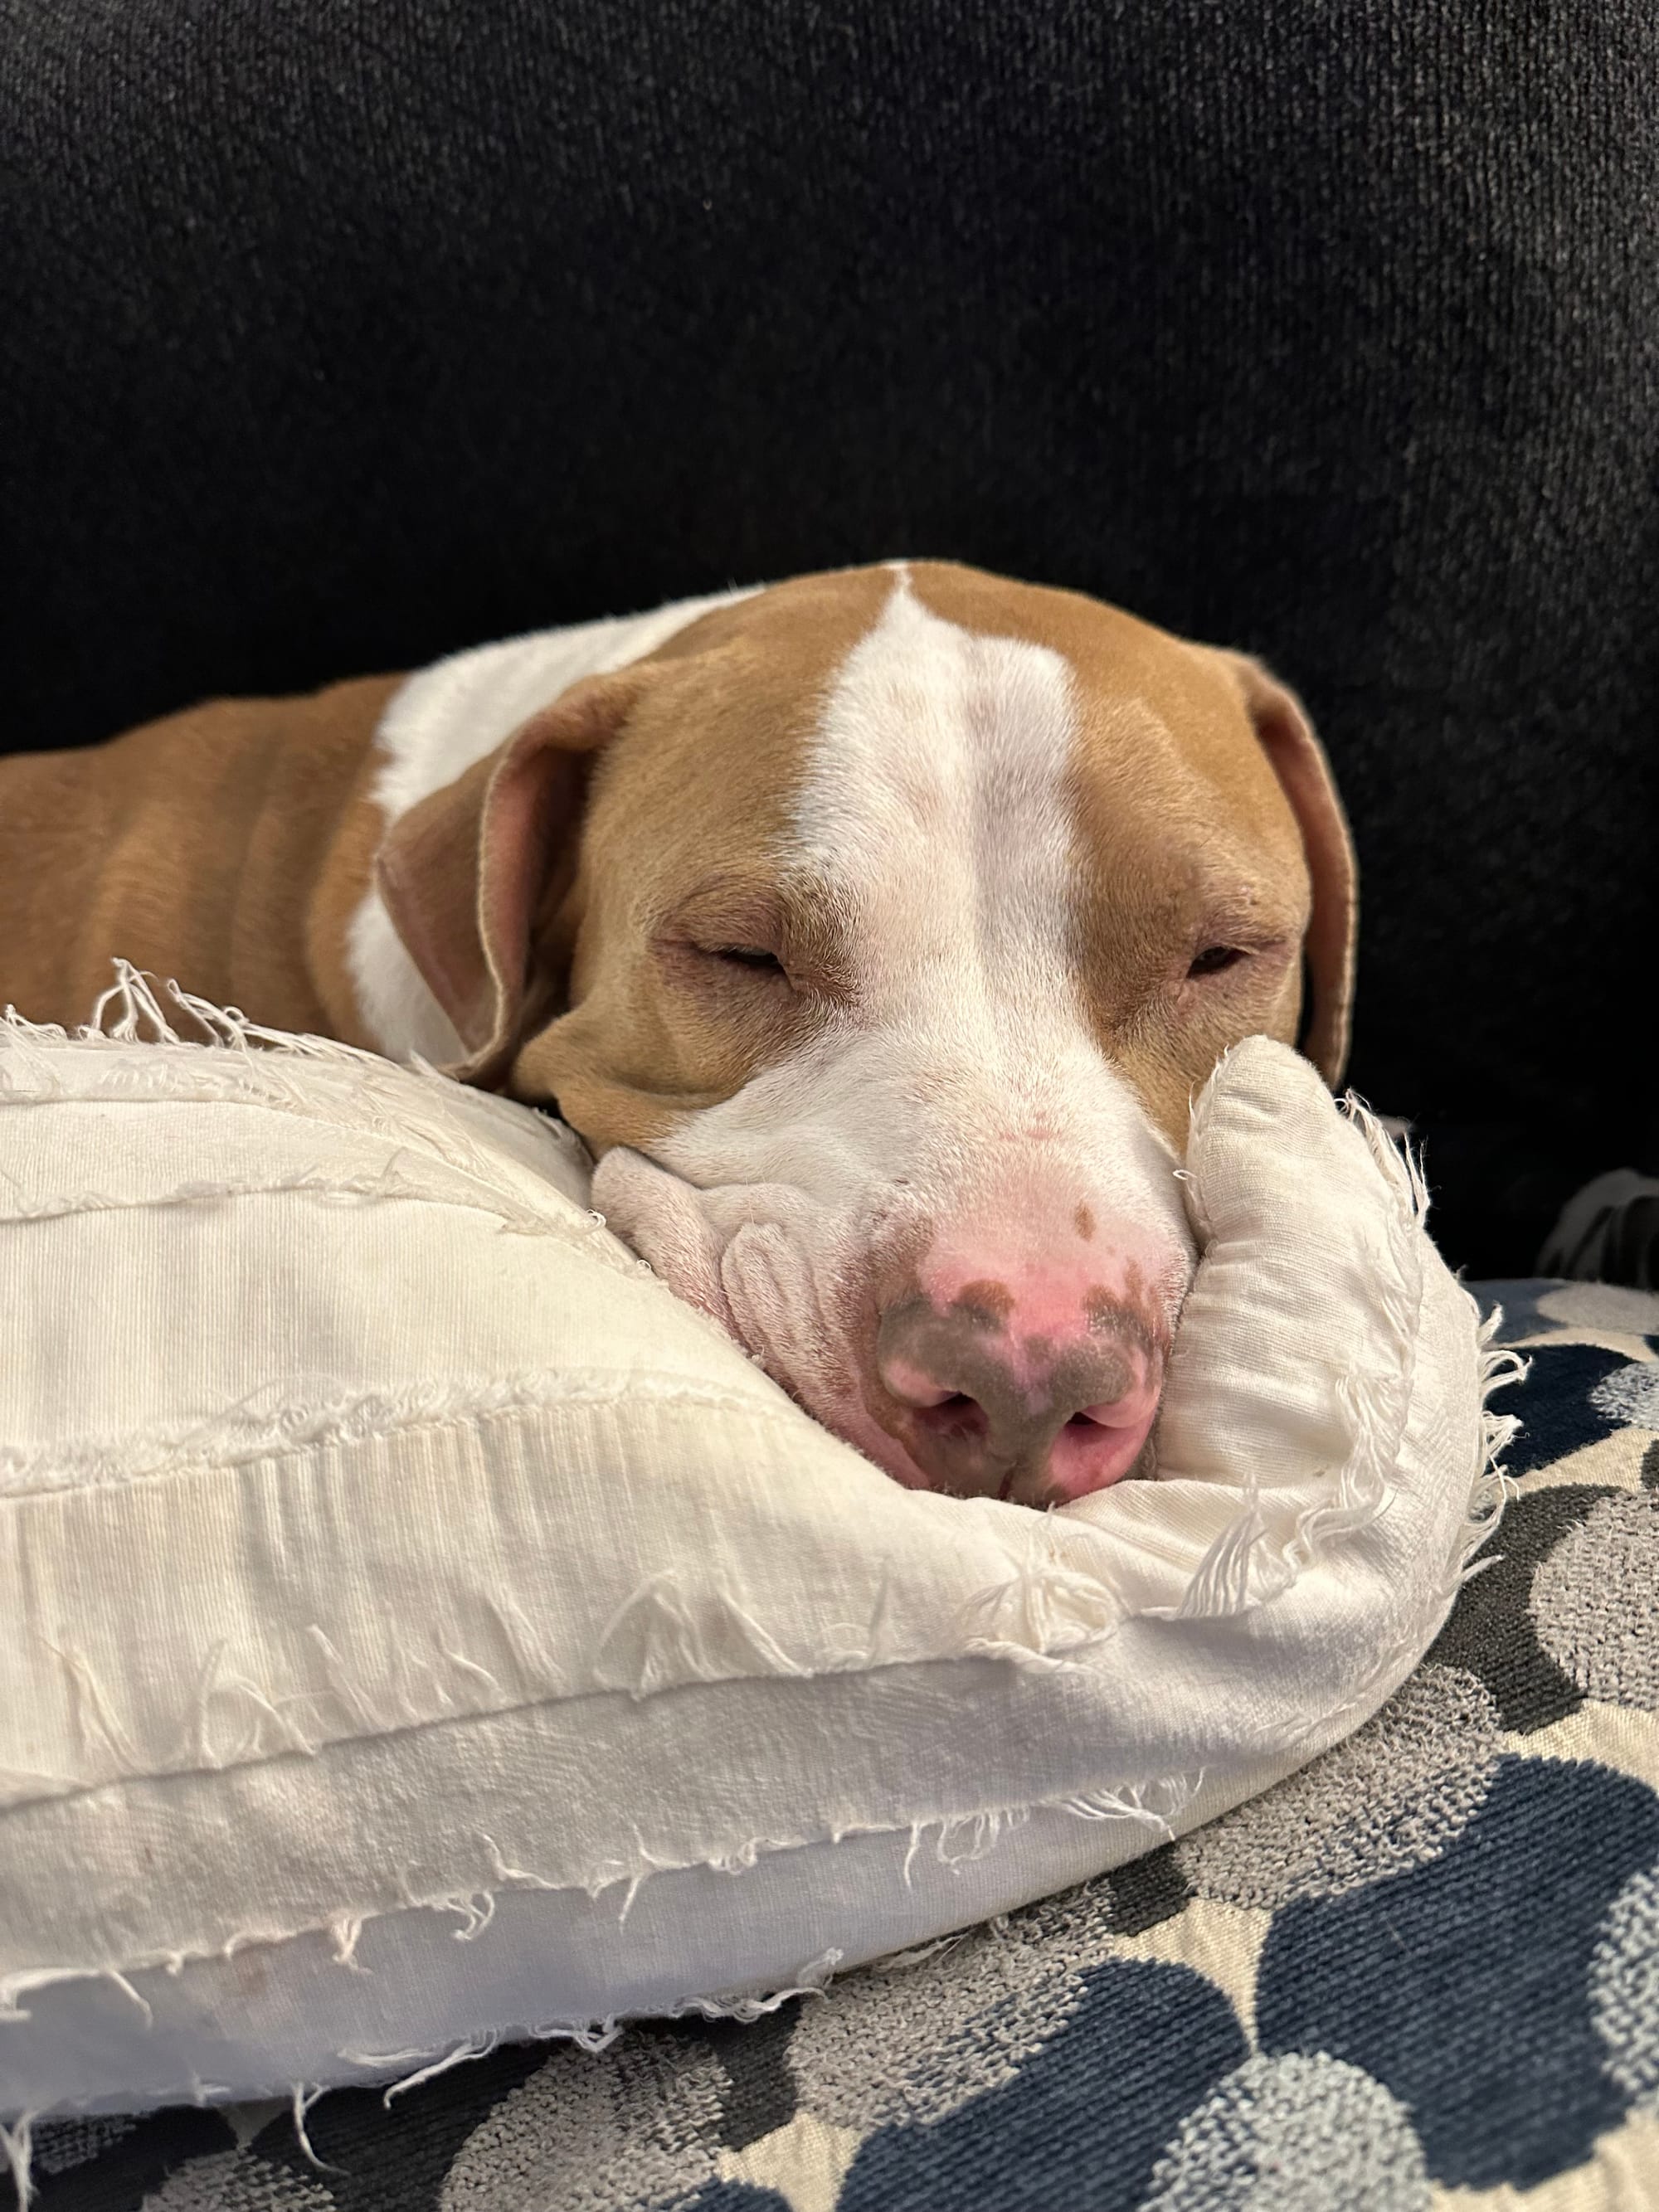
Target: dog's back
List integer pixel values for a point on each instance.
(209, 847)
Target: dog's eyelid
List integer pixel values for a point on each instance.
(753, 957)
(1227, 946)
(723, 913)
(710, 959)
(1216, 959)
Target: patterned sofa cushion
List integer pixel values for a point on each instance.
(1422, 1973)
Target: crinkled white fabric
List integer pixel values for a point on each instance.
(418, 1626)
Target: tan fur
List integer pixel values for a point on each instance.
(225, 847)
(700, 748)
(697, 791)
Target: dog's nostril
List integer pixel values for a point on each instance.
(953, 1410)
(957, 1416)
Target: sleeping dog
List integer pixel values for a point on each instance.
(874, 931)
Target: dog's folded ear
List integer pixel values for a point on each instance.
(1305, 775)
(469, 872)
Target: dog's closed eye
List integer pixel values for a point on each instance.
(752, 956)
(1214, 957)
(736, 969)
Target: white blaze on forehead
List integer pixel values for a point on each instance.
(935, 797)
(963, 1072)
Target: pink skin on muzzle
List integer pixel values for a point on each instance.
(1026, 1378)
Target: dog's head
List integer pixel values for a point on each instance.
(875, 933)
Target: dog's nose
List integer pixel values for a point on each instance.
(994, 1401)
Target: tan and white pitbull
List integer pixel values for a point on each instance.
(873, 929)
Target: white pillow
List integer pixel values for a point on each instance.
(419, 1626)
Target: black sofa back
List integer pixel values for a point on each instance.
(336, 334)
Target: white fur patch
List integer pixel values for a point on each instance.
(936, 796)
(437, 725)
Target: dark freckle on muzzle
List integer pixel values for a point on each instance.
(983, 1306)
(1112, 1315)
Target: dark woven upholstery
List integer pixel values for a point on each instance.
(335, 335)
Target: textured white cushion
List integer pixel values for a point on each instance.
(417, 1625)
